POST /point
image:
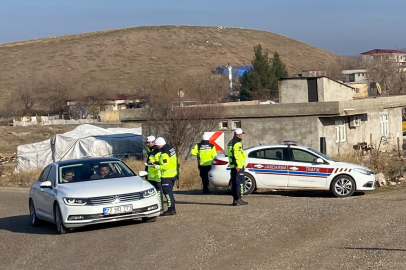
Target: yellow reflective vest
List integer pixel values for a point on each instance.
(153, 173)
(236, 154)
(205, 152)
(168, 162)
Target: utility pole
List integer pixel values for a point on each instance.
(230, 77)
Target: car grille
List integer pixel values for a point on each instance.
(116, 198)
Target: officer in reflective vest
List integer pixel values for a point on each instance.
(150, 142)
(154, 177)
(236, 159)
(205, 153)
(168, 167)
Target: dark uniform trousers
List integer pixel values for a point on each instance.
(237, 182)
(158, 187)
(167, 187)
(204, 174)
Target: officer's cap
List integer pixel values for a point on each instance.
(150, 139)
(239, 131)
(160, 141)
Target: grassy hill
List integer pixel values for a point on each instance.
(127, 57)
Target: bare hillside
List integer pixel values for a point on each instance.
(127, 57)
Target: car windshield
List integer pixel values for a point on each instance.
(320, 154)
(89, 171)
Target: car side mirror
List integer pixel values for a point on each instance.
(142, 174)
(320, 161)
(46, 184)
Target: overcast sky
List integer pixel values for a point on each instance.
(346, 27)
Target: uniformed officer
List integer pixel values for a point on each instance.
(236, 159)
(168, 167)
(205, 153)
(154, 176)
(150, 142)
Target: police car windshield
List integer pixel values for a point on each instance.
(320, 154)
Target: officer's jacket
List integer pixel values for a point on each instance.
(236, 154)
(168, 162)
(153, 173)
(205, 152)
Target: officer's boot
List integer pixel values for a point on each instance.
(206, 190)
(239, 202)
(170, 212)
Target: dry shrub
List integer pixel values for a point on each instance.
(391, 165)
(21, 179)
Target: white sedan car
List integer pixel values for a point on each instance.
(288, 166)
(81, 192)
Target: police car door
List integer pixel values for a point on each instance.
(269, 166)
(304, 171)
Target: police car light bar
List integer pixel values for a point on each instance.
(289, 142)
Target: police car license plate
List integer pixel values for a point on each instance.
(117, 209)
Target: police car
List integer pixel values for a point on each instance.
(289, 166)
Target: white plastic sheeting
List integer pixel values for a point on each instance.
(83, 141)
(35, 155)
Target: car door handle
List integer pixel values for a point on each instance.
(294, 168)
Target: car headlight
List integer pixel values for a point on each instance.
(74, 201)
(363, 171)
(149, 192)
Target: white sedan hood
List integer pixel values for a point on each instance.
(97, 188)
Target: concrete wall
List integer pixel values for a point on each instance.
(296, 91)
(370, 125)
(276, 130)
(110, 116)
(293, 91)
(330, 90)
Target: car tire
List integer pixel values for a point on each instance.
(343, 186)
(35, 221)
(249, 184)
(58, 220)
(149, 219)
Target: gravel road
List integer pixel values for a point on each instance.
(277, 230)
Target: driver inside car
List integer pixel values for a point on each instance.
(67, 176)
(102, 172)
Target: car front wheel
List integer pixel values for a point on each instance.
(33, 215)
(343, 186)
(58, 220)
(249, 184)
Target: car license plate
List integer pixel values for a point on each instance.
(117, 209)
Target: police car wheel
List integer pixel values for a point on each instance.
(249, 184)
(343, 186)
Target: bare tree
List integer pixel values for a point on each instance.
(182, 126)
(54, 90)
(90, 101)
(334, 71)
(390, 76)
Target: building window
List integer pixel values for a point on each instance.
(340, 131)
(384, 124)
(223, 125)
(236, 124)
(357, 90)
